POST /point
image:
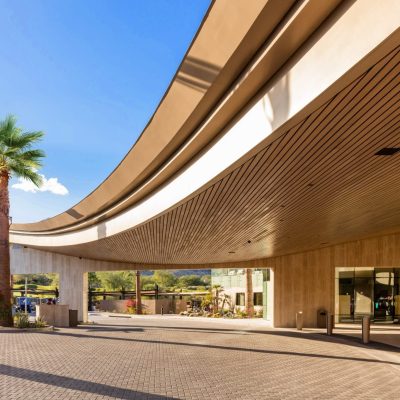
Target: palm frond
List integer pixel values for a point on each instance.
(31, 155)
(27, 173)
(7, 125)
(16, 154)
(22, 141)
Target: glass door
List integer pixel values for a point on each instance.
(384, 307)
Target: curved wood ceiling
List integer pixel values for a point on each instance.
(318, 184)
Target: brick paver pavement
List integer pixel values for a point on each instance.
(188, 358)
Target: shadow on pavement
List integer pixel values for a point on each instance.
(305, 335)
(77, 384)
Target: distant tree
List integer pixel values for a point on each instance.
(147, 282)
(94, 281)
(43, 279)
(18, 279)
(206, 279)
(121, 281)
(49, 279)
(186, 281)
(164, 279)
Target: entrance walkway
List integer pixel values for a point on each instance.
(154, 357)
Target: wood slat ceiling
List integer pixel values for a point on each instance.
(320, 183)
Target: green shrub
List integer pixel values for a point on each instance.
(21, 320)
(241, 314)
(40, 323)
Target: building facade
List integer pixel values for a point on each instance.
(275, 147)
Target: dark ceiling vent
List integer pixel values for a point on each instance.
(388, 151)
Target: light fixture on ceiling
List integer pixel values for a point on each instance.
(387, 151)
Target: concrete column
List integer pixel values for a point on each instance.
(138, 294)
(74, 291)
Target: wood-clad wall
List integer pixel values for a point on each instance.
(306, 281)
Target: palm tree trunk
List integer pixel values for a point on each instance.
(249, 303)
(5, 278)
(138, 294)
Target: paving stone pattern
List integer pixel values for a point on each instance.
(187, 358)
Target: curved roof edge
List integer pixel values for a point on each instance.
(229, 37)
(195, 88)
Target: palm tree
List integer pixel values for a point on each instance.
(217, 290)
(249, 303)
(17, 158)
(138, 294)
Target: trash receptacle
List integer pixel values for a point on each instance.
(321, 318)
(73, 318)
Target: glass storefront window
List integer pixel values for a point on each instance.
(367, 291)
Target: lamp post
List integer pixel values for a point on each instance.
(26, 295)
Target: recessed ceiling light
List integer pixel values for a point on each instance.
(387, 151)
(249, 241)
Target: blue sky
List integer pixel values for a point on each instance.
(90, 74)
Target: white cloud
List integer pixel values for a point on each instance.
(48, 185)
